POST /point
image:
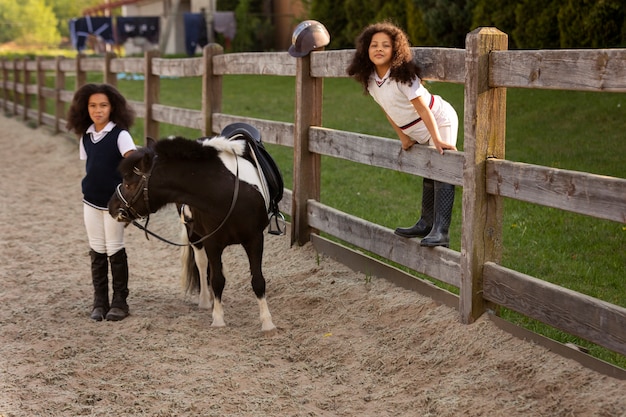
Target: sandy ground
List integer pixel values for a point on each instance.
(347, 345)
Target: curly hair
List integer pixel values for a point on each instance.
(78, 119)
(403, 69)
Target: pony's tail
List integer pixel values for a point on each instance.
(189, 275)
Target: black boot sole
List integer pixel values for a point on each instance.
(434, 244)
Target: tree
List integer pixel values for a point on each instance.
(332, 14)
(415, 27)
(496, 13)
(10, 24)
(591, 24)
(65, 10)
(536, 24)
(447, 21)
(346, 19)
(40, 25)
(28, 23)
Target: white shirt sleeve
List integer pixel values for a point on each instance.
(81, 150)
(416, 89)
(125, 142)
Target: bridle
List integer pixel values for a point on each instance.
(142, 190)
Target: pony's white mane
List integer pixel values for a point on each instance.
(222, 144)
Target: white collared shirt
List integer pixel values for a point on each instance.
(124, 141)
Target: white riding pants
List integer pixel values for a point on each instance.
(450, 130)
(106, 235)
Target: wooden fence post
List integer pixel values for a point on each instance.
(109, 77)
(151, 96)
(81, 76)
(306, 165)
(59, 106)
(211, 88)
(485, 123)
(16, 81)
(41, 83)
(5, 80)
(26, 77)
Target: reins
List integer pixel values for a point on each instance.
(144, 181)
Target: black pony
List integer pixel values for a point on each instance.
(223, 196)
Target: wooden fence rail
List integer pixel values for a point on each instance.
(485, 67)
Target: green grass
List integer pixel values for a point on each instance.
(571, 130)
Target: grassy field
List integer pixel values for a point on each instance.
(571, 130)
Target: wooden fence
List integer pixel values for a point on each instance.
(486, 68)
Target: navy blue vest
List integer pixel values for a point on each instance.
(102, 176)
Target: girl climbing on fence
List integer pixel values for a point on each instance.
(383, 65)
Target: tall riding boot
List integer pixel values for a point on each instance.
(444, 200)
(100, 279)
(425, 223)
(119, 271)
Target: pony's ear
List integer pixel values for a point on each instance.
(150, 143)
(145, 163)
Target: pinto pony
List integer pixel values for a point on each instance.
(222, 195)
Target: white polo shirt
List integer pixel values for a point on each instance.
(395, 99)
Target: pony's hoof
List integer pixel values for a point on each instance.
(218, 323)
(270, 333)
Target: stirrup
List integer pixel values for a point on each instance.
(279, 226)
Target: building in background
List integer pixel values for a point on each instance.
(179, 30)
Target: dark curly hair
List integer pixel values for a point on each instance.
(403, 69)
(78, 119)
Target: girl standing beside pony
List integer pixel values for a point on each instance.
(102, 116)
(383, 64)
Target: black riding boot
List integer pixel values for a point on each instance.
(100, 279)
(444, 200)
(425, 223)
(119, 271)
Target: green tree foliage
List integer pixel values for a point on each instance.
(255, 31)
(447, 21)
(346, 19)
(536, 24)
(591, 23)
(10, 26)
(254, 28)
(44, 30)
(415, 27)
(530, 24)
(427, 22)
(70, 9)
(28, 23)
(332, 14)
(496, 13)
